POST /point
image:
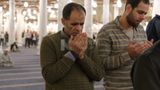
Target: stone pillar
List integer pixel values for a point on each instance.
(42, 21)
(6, 24)
(11, 21)
(155, 9)
(20, 26)
(61, 4)
(1, 17)
(106, 5)
(116, 10)
(89, 17)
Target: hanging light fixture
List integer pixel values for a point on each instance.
(25, 4)
(94, 4)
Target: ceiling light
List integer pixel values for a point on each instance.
(1, 9)
(119, 3)
(94, 4)
(25, 4)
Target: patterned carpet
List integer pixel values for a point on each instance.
(26, 73)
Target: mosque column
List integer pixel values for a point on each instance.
(1, 17)
(6, 22)
(61, 4)
(42, 21)
(156, 10)
(11, 21)
(20, 26)
(106, 5)
(116, 10)
(89, 17)
(1, 20)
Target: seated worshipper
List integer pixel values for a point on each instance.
(6, 60)
(146, 70)
(14, 47)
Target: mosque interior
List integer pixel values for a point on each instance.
(30, 12)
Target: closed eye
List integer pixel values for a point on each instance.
(75, 24)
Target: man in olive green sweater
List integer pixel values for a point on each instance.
(67, 57)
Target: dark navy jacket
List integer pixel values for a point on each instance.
(145, 72)
(153, 29)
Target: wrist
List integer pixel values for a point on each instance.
(70, 55)
(74, 54)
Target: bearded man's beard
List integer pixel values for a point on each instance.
(131, 21)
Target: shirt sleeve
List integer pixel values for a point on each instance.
(70, 55)
(54, 68)
(90, 64)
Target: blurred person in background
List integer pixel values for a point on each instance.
(153, 28)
